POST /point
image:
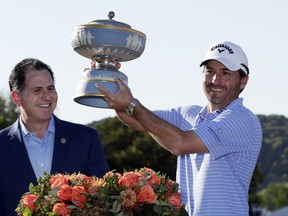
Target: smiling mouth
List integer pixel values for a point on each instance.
(216, 90)
(45, 105)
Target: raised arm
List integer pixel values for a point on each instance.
(167, 135)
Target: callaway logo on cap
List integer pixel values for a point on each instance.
(229, 54)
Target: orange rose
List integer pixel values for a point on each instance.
(29, 201)
(60, 208)
(65, 192)
(78, 196)
(146, 194)
(175, 200)
(154, 180)
(129, 179)
(58, 181)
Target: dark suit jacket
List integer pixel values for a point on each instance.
(77, 148)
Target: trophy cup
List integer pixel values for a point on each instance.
(107, 42)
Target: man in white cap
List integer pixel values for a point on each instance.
(217, 145)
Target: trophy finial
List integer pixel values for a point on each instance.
(111, 14)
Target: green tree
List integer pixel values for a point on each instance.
(8, 112)
(274, 196)
(255, 185)
(274, 153)
(129, 149)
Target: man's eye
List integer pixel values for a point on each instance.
(208, 71)
(226, 72)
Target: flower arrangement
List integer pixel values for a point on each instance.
(142, 192)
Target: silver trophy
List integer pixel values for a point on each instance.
(107, 42)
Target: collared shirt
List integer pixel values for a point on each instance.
(40, 151)
(217, 183)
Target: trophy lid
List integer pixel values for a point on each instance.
(110, 21)
(108, 38)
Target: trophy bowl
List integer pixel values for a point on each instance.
(107, 42)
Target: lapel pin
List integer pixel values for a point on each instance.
(63, 140)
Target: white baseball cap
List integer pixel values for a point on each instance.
(229, 54)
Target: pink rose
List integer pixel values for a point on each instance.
(175, 200)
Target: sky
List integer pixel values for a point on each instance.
(167, 74)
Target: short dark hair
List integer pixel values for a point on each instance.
(242, 75)
(18, 74)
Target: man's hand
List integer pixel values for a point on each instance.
(120, 100)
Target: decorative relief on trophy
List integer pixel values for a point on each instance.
(107, 42)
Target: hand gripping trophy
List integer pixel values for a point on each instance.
(107, 42)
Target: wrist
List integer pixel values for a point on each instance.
(131, 107)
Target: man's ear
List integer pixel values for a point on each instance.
(244, 81)
(16, 98)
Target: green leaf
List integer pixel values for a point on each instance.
(53, 191)
(27, 212)
(157, 209)
(72, 207)
(120, 214)
(116, 207)
(31, 187)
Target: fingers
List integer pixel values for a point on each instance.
(86, 69)
(107, 93)
(117, 65)
(93, 64)
(104, 91)
(120, 83)
(109, 97)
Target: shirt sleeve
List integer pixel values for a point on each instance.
(230, 132)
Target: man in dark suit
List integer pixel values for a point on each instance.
(40, 142)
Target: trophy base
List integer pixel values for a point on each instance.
(87, 94)
(92, 101)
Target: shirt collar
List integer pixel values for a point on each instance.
(51, 127)
(237, 102)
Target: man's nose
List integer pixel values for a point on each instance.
(46, 95)
(216, 78)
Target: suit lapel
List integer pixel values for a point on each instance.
(19, 153)
(60, 145)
